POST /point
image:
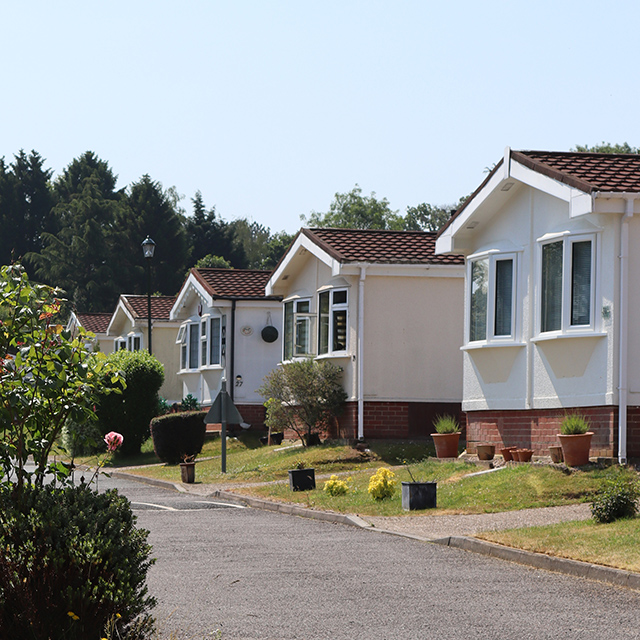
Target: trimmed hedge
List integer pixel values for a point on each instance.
(177, 435)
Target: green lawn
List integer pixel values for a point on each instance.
(613, 545)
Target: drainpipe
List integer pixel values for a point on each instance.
(360, 350)
(232, 360)
(624, 327)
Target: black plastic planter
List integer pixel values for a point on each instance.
(302, 479)
(418, 495)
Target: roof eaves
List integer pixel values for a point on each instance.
(325, 246)
(555, 174)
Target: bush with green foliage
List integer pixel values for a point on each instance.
(305, 396)
(574, 424)
(618, 498)
(189, 403)
(178, 435)
(72, 561)
(82, 438)
(130, 412)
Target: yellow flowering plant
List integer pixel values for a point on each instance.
(336, 487)
(382, 484)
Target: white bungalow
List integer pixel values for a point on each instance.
(550, 299)
(385, 308)
(228, 328)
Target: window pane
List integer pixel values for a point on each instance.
(288, 330)
(303, 334)
(581, 283)
(551, 287)
(323, 332)
(183, 356)
(193, 346)
(340, 330)
(478, 306)
(302, 306)
(215, 341)
(340, 297)
(504, 297)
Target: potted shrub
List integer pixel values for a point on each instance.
(446, 436)
(301, 478)
(575, 440)
(188, 469)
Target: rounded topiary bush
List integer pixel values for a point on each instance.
(131, 411)
(72, 561)
(178, 435)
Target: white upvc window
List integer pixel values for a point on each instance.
(202, 342)
(119, 343)
(332, 321)
(567, 284)
(134, 342)
(491, 297)
(216, 340)
(299, 327)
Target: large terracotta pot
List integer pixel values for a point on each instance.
(485, 451)
(575, 448)
(446, 444)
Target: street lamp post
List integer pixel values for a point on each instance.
(148, 249)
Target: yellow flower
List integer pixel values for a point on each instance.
(72, 615)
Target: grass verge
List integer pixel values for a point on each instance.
(613, 545)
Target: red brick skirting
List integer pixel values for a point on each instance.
(395, 419)
(538, 429)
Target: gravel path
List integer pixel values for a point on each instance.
(434, 527)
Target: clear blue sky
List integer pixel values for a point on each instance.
(269, 107)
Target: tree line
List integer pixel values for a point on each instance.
(80, 233)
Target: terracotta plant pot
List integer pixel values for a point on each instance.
(505, 452)
(485, 451)
(575, 448)
(515, 455)
(556, 454)
(524, 455)
(446, 444)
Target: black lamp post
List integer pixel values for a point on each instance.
(148, 249)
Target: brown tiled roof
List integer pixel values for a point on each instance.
(160, 306)
(588, 172)
(376, 246)
(94, 322)
(244, 284)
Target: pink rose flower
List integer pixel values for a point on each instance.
(113, 440)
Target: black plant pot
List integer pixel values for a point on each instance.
(302, 479)
(418, 495)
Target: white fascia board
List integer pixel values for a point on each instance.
(580, 202)
(459, 224)
(407, 270)
(301, 242)
(120, 308)
(191, 285)
(615, 201)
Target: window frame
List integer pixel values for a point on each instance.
(568, 241)
(334, 308)
(202, 342)
(492, 258)
(291, 345)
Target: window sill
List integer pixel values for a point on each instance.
(472, 346)
(565, 336)
(334, 356)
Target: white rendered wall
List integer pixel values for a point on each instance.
(565, 372)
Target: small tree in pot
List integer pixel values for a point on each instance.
(305, 396)
(446, 437)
